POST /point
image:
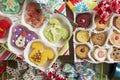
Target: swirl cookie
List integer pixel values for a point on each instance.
(115, 38)
(21, 36)
(54, 32)
(100, 54)
(115, 54)
(34, 15)
(116, 22)
(99, 25)
(82, 36)
(98, 38)
(40, 54)
(84, 20)
(82, 51)
(4, 27)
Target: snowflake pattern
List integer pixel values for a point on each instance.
(81, 7)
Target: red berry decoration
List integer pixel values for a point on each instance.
(2, 31)
(4, 26)
(5, 23)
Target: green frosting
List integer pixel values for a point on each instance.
(54, 32)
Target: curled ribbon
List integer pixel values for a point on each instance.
(105, 8)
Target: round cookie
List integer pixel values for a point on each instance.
(84, 20)
(34, 15)
(82, 51)
(82, 36)
(99, 25)
(115, 38)
(116, 22)
(100, 54)
(115, 54)
(98, 39)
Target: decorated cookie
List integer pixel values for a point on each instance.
(116, 22)
(82, 36)
(115, 38)
(84, 20)
(10, 6)
(54, 32)
(21, 36)
(100, 54)
(115, 54)
(4, 26)
(99, 25)
(82, 51)
(40, 54)
(34, 15)
(99, 38)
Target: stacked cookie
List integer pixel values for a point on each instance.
(95, 40)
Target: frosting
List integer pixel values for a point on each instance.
(40, 54)
(10, 6)
(100, 25)
(4, 26)
(83, 20)
(54, 32)
(21, 36)
(100, 54)
(115, 38)
(34, 15)
(82, 36)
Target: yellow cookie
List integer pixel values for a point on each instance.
(47, 54)
(40, 55)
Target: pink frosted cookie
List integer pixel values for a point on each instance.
(21, 36)
(100, 54)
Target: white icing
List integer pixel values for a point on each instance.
(16, 35)
(20, 29)
(29, 34)
(33, 38)
(97, 55)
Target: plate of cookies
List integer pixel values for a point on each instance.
(96, 41)
(32, 36)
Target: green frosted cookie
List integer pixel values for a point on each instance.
(54, 21)
(51, 34)
(10, 6)
(54, 32)
(63, 33)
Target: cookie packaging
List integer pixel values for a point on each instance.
(102, 38)
(29, 34)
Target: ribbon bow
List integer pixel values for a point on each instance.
(105, 8)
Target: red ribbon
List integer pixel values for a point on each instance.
(105, 8)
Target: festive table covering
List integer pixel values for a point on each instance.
(53, 73)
